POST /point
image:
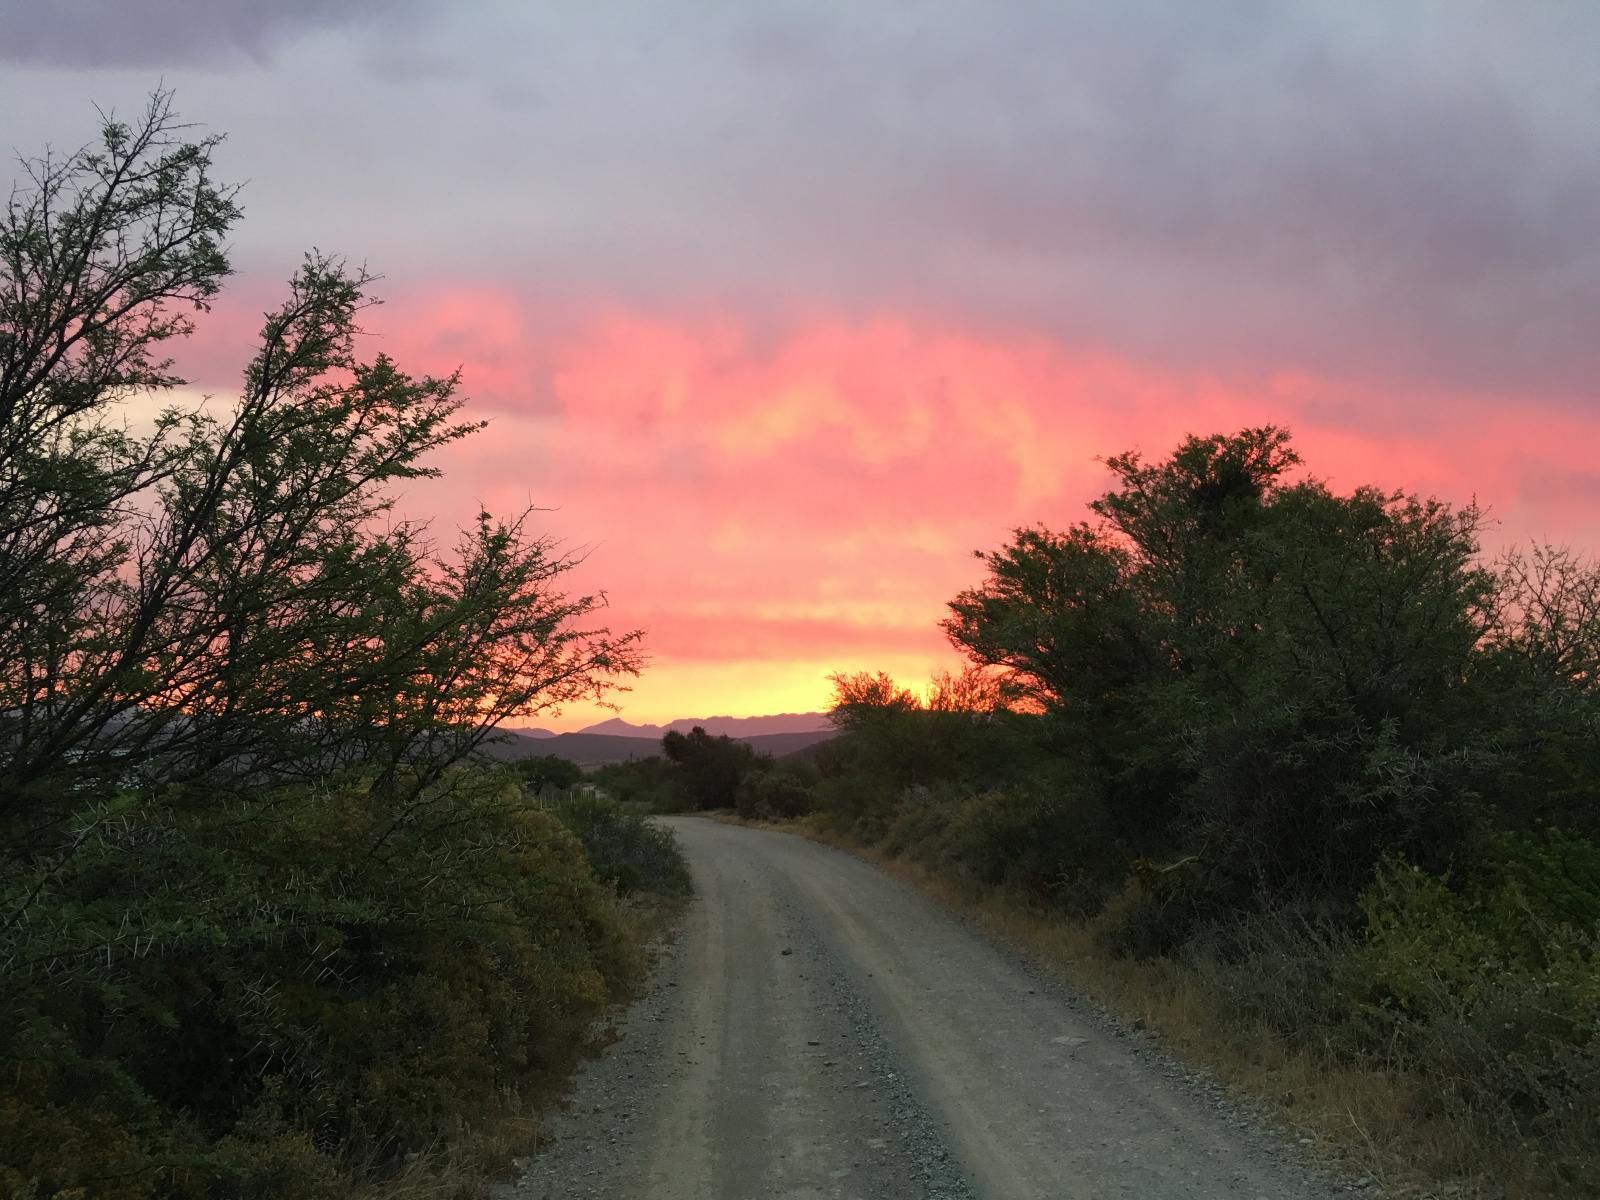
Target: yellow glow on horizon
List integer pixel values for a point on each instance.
(670, 691)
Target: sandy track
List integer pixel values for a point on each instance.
(822, 1030)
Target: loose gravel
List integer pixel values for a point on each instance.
(822, 1031)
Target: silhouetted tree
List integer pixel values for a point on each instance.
(237, 697)
(1245, 662)
(539, 771)
(710, 767)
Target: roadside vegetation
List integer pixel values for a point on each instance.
(269, 926)
(699, 772)
(1301, 778)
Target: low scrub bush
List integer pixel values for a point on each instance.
(1041, 843)
(695, 772)
(772, 795)
(231, 997)
(625, 849)
(540, 771)
(1493, 991)
(648, 783)
(1281, 967)
(856, 805)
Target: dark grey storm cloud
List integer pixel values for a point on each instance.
(1406, 188)
(165, 33)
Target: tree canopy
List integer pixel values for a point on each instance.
(240, 698)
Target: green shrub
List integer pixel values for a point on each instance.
(1492, 991)
(1282, 967)
(856, 804)
(625, 849)
(274, 1006)
(652, 783)
(539, 771)
(1044, 842)
(1424, 938)
(772, 795)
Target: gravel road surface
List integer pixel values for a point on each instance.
(820, 1029)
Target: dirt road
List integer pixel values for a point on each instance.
(822, 1030)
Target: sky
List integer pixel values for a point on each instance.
(782, 310)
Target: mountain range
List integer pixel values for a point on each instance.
(734, 727)
(617, 740)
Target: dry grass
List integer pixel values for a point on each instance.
(1368, 1121)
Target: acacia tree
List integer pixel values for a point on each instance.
(104, 253)
(710, 767)
(234, 686)
(231, 594)
(1264, 675)
(1057, 616)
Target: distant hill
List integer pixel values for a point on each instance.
(781, 744)
(743, 728)
(589, 749)
(807, 752)
(585, 749)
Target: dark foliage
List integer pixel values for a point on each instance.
(653, 784)
(624, 849)
(264, 930)
(1311, 741)
(708, 769)
(540, 771)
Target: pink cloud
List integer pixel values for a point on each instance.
(807, 496)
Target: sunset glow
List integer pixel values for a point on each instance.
(783, 314)
(773, 510)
